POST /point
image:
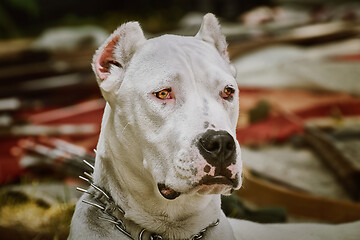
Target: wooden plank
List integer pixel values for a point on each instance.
(342, 167)
(265, 194)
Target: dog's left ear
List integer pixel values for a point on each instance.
(210, 32)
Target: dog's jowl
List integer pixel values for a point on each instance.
(167, 148)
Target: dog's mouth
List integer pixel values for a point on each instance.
(168, 192)
(207, 185)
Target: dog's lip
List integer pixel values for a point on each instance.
(222, 180)
(167, 192)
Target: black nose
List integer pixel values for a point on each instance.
(218, 148)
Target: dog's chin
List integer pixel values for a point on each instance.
(216, 185)
(214, 189)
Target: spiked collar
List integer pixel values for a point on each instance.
(115, 215)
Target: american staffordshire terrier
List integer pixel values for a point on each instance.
(167, 148)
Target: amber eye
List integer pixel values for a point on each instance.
(163, 94)
(228, 91)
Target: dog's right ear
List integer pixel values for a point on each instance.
(112, 58)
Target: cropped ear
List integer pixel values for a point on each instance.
(112, 58)
(210, 32)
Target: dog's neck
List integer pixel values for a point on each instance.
(131, 186)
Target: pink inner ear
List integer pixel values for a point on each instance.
(105, 58)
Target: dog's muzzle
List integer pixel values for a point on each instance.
(218, 149)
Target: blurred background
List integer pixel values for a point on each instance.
(298, 70)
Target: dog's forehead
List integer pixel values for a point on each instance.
(190, 49)
(182, 45)
(170, 57)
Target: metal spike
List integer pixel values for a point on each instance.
(94, 186)
(83, 190)
(120, 209)
(116, 222)
(85, 179)
(100, 190)
(124, 232)
(87, 163)
(94, 204)
(110, 220)
(88, 175)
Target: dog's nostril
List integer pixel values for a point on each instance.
(210, 145)
(215, 146)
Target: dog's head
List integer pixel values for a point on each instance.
(175, 100)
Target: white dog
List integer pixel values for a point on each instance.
(167, 148)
